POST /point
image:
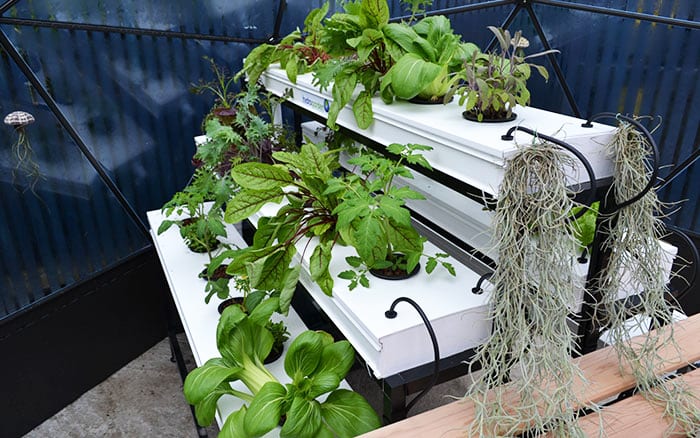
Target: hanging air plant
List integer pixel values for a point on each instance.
(636, 262)
(22, 151)
(534, 288)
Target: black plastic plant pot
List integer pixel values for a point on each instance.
(219, 272)
(274, 355)
(474, 117)
(229, 302)
(424, 101)
(394, 273)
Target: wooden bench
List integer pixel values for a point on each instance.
(633, 416)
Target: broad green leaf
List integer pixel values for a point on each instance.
(233, 426)
(320, 259)
(292, 158)
(401, 34)
(321, 383)
(288, 288)
(353, 261)
(314, 161)
(261, 176)
(305, 353)
(393, 209)
(248, 202)
(375, 13)
(404, 237)
(205, 410)
(263, 311)
(252, 340)
(275, 269)
(370, 241)
(425, 50)
(228, 321)
(303, 419)
(362, 109)
(367, 43)
(265, 410)
(325, 282)
(348, 414)
(205, 379)
(292, 69)
(337, 359)
(411, 74)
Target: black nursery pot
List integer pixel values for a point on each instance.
(474, 118)
(422, 101)
(394, 274)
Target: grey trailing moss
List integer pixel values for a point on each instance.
(533, 293)
(636, 263)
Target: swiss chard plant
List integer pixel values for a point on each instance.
(493, 83)
(315, 364)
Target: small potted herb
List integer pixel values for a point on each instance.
(493, 83)
(315, 364)
(200, 203)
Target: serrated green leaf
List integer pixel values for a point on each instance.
(354, 261)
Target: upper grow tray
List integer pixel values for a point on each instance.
(468, 151)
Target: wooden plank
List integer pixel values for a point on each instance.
(636, 416)
(600, 369)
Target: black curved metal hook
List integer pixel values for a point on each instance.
(508, 136)
(477, 288)
(655, 152)
(391, 314)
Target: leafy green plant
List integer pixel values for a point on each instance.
(433, 54)
(247, 135)
(493, 83)
(203, 221)
(219, 86)
(296, 53)
(364, 210)
(316, 366)
(372, 216)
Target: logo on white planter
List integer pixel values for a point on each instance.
(316, 103)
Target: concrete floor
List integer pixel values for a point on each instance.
(145, 399)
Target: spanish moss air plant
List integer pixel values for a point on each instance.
(22, 152)
(636, 263)
(531, 344)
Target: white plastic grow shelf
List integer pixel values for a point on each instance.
(199, 319)
(390, 346)
(468, 151)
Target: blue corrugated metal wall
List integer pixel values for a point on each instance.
(127, 96)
